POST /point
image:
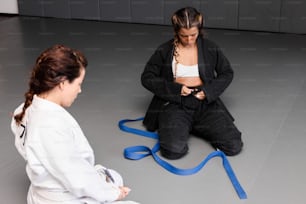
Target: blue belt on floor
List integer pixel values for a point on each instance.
(139, 152)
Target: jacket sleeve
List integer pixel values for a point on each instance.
(218, 73)
(157, 78)
(57, 150)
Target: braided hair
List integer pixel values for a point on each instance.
(187, 17)
(55, 65)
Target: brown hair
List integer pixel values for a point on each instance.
(187, 17)
(55, 65)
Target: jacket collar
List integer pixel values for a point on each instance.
(201, 62)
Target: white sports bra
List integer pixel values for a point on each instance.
(184, 70)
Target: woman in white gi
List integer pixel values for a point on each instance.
(59, 159)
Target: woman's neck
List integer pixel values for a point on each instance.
(50, 96)
(192, 46)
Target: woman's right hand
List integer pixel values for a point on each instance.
(124, 191)
(185, 91)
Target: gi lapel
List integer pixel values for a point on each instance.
(201, 59)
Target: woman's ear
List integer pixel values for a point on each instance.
(62, 84)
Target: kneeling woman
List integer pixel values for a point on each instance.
(60, 161)
(187, 75)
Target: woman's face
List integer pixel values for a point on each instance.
(189, 36)
(72, 89)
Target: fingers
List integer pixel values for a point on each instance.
(124, 191)
(200, 95)
(186, 91)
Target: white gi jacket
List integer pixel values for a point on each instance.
(59, 159)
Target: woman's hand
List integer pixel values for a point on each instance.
(187, 91)
(200, 95)
(124, 191)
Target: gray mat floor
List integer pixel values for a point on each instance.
(267, 98)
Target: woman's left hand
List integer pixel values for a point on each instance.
(200, 95)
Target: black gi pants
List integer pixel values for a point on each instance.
(208, 121)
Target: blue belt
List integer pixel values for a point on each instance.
(139, 152)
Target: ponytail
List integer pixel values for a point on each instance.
(54, 65)
(28, 101)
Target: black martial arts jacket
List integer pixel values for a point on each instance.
(214, 70)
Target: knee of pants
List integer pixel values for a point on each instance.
(173, 155)
(173, 143)
(230, 149)
(173, 147)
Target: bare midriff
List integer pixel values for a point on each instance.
(189, 81)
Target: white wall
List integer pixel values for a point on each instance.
(8, 6)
